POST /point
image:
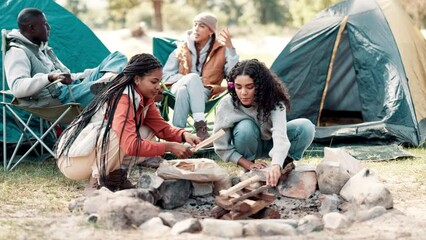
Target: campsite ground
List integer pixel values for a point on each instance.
(34, 198)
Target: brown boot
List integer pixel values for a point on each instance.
(117, 180)
(91, 186)
(201, 130)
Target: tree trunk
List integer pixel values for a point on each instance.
(158, 18)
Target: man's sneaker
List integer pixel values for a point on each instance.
(102, 83)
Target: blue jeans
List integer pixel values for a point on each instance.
(247, 142)
(114, 62)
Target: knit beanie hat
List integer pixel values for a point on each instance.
(208, 19)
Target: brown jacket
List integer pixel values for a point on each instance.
(213, 71)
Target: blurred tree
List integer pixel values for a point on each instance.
(77, 7)
(271, 11)
(232, 8)
(119, 8)
(417, 11)
(158, 18)
(197, 4)
(304, 10)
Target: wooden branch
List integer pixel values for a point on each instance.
(251, 194)
(267, 196)
(209, 140)
(218, 212)
(267, 213)
(256, 207)
(239, 186)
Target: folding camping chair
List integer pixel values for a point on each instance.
(49, 117)
(162, 48)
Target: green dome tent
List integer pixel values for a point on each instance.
(358, 71)
(73, 42)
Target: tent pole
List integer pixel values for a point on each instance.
(330, 66)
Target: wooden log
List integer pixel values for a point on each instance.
(267, 196)
(223, 203)
(209, 140)
(218, 212)
(267, 213)
(252, 193)
(242, 207)
(239, 186)
(256, 207)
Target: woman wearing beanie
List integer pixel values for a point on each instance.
(197, 68)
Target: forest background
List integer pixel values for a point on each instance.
(270, 17)
(259, 28)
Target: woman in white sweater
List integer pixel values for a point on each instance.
(254, 119)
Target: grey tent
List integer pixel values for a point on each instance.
(358, 71)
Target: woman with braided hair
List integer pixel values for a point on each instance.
(254, 119)
(115, 130)
(196, 70)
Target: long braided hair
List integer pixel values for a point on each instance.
(141, 65)
(270, 91)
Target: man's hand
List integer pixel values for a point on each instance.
(179, 150)
(191, 139)
(64, 78)
(225, 38)
(273, 175)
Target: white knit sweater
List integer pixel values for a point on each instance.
(275, 128)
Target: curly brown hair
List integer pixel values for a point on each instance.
(270, 91)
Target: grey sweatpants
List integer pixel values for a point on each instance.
(191, 96)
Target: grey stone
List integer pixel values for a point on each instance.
(171, 218)
(222, 228)
(265, 228)
(174, 193)
(201, 189)
(168, 218)
(292, 222)
(150, 196)
(92, 204)
(77, 204)
(374, 212)
(190, 225)
(366, 191)
(235, 180)
(310, 223)
(335, 170)
(154, 228)
(329, 203)
(335, 220)
(221, 184)
(149, 181)
(125, 212)
(92, 218)
(152, 162)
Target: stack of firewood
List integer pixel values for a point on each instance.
(242, 201)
